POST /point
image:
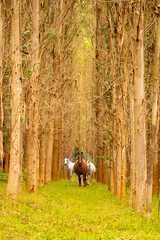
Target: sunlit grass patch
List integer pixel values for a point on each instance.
(63, 210)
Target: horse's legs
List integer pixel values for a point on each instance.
(84, 180)
(79, 177)
(87, 179)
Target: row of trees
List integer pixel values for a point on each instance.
(127, 73)
(81, 74)
(33, 74)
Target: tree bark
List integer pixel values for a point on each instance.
(33, 144)
(49, 150)
(14, 185)
(124, 102)
(112, 120)
(56, 149)
(152, 177)
(118, 100)
(139, 200)
(99, 58)
(42, 157)
(155, 123)
(1, 79)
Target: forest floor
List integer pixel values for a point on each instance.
(63, 210)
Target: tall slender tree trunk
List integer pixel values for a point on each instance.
(50, 125)
(124, 103)
(139, 201)
(62, 145)
(15, 170)
(43, 147)
(56, 148)
(58, 80)
(112, 120)
(155, 123)
(60, 168)
(45, 72)
(118, 100)
(33, 145)
(132, 173)
(42, 156)
(49, 150)
(99, 49)
(1, 79)
(93, 131)
(119, 148)
(152, 177)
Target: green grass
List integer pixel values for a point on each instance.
(62, 210)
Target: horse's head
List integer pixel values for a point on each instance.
(65, 161)
(80, 158)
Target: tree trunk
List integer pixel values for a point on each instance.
(124, 103)
(60, 169)
(155, 123)
(56, 148)
(33, 145)
(139, 200)
(99, 58)
(119, 113)
(62, 145)
(42, 157)
(15, 170)
(152, 177)
(1, 79)
(49, 151)
(132, 172)
(112, 120)
(119, 144)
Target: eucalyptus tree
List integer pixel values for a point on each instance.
(99, 86)
(139, 162)
(153, 166)
(155, 118)
(14, 185)
(1, 79)
(33, 118)
(46, 63)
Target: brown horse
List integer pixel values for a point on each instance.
(80, 168)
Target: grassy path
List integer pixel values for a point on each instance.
(62, 210)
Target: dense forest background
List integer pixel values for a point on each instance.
(81, 75)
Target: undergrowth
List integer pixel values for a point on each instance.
(63, 210)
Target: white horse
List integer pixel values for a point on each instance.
(70, 168)
(91, 170)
